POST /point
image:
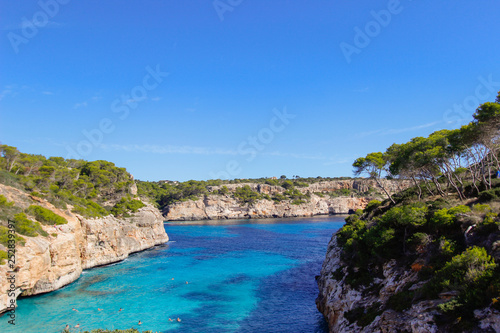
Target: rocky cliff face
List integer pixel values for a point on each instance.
(337, 298)
(48, 263)
(320, 203)
(215, 207)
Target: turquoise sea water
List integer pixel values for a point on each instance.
(242, 276)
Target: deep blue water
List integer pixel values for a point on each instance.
(242, 276)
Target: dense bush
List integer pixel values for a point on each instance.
(3, 257)
(26, 227)
(46, 216)
(272, 182)
(246, 195)
(489, 195)
(89, 208)
(4, 237)
(7, 209)
(223, 190)
(474, 274)
(401, 301)
(4, 203)
(447, 217)
(277, 197)
(124, 206)
(295, 195)
(62, 182)
(372, 205)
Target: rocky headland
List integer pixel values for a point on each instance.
(323, 198)
(349, 309)
(45, 264)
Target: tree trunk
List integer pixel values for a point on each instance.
(383, 188)
(419, 188)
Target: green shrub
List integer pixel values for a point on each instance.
(481, 208)
(490, 218)
(246, 195)
(298, 202)
(37, 194)
(46, 216)
(26, 227)
(467, 267)
(278, 197)
(89, 208)
(447, 247)
(401, 301)
(4, 237)
(223, 190)
(447, 217)
(460, 209)
(489, 195)
(124, 206)
(3, 257)
(4, 203)
(410, 215)
(372, 205)
(294, 194)
(7, 209)
(418, 239)
(272, 182)
(464, 273)
(9, 179)
(450, 306)
(266, 197)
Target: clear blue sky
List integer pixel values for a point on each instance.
(85, 67)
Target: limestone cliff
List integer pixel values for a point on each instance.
(337, 298)
(216, 207)
(48, 263)
(320, 202)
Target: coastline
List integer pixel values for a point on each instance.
(45, 264)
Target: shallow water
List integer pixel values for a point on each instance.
(242, 276)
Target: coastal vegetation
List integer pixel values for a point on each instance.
(92, 189)
(164, 193)
(446, 228)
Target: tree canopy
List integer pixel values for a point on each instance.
(462, 160)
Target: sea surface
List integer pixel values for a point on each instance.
(233, 276)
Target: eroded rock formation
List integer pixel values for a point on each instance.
(336, 298)
(45, 264)
(215, 206)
